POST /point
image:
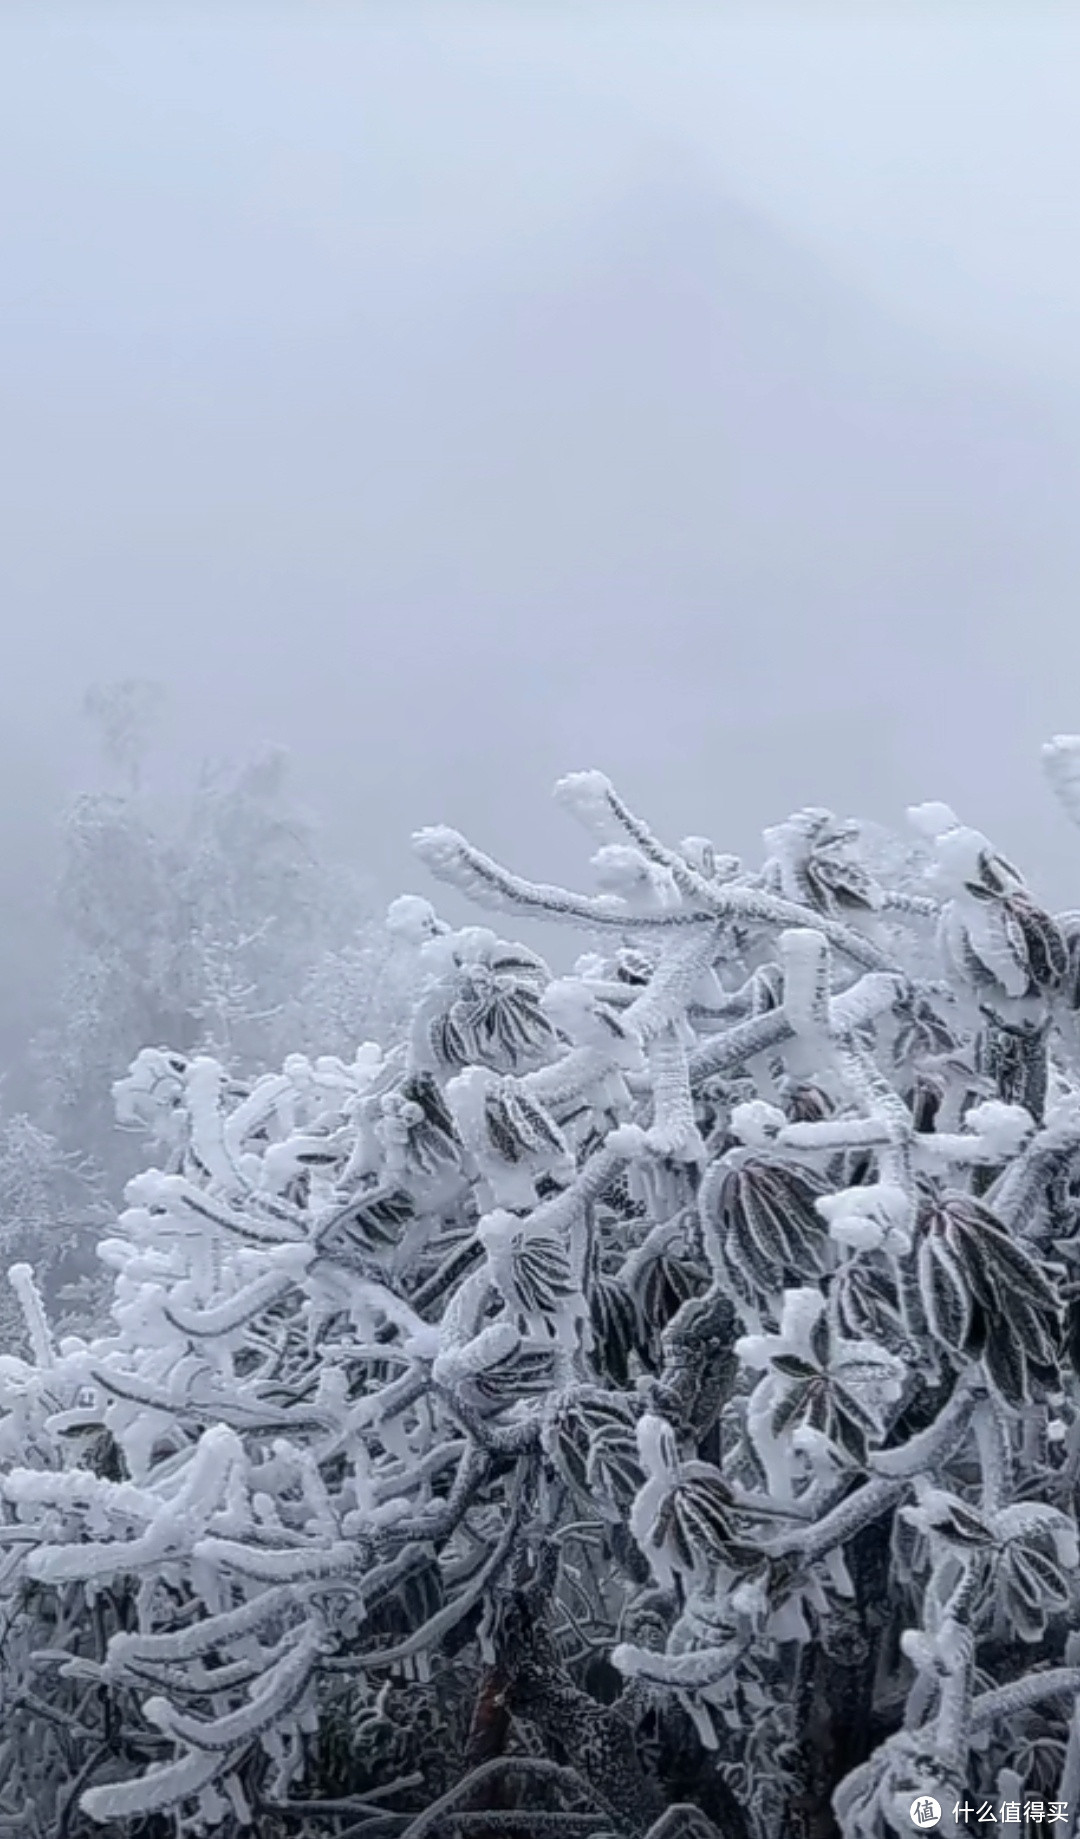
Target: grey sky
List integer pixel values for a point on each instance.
(464, 396)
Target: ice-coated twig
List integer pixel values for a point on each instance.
(697, 1668)
(181, 1644)
(431, 1632)
(1061, 764)
(158, 1790)
(728, 1052)
(451, 859)
(279, 1691)
(1006, 1701)
(21, 1279)
(663, 1004)
(227, 1317)
(864, 1504)
(177, 1190)
(928, 1449)
(501, 1767)
(673, 1131)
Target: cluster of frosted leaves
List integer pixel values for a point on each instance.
(691, 1274)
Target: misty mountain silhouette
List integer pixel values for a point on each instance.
(662, 495)
(708, 516)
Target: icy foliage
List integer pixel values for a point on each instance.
(51, 1209)
(642, 1399)
(213, 925)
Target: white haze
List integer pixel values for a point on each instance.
(464, 396)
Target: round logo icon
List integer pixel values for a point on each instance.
(925, 1812)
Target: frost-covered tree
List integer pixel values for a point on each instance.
(635, 1401)
(126, 713)
(51, 1205)
(218, 926)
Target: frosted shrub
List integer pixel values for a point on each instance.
(214, 923)
(51, 1209)
(639, 1399)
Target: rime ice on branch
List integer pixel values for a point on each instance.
(633, 1379)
